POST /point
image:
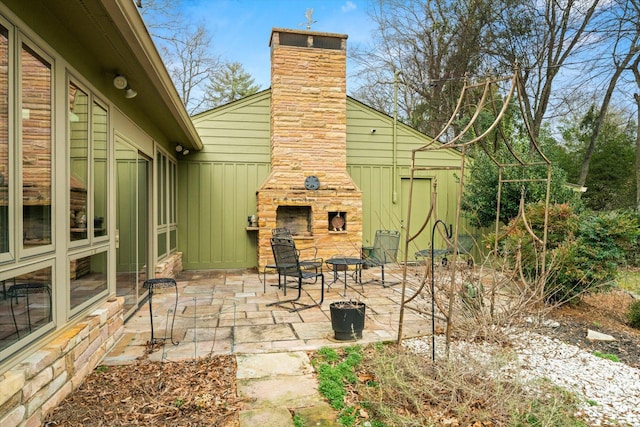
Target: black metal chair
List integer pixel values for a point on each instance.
(306, 263)
(384, 251)
(288, 264)
(465, 246)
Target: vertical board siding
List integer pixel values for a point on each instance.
(378, 211)
(213, 222)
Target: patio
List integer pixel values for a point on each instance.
(226, 312)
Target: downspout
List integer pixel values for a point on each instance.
(394, 176)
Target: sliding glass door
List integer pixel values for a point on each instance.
(132, 223)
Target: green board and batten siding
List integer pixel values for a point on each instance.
(220, 182)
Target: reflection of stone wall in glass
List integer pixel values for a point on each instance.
(36, 147)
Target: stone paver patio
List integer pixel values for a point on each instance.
(226, 312)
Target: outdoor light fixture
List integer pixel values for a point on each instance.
(180, 149)
(120, 82)
(130, 93)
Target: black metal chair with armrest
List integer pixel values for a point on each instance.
(288, 264)
(384, 251)
(310, 263)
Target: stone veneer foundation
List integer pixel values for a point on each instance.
(309, 138)
(41, 381)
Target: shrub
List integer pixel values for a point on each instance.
(592, 263)
(634, 314)
(584, 251)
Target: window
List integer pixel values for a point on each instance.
(88, 278)
(78, 161)
(36, 146)
(4, 140)
(167, 186)
(25, 306)
(88, 150)
(100, 170)
(173, 207)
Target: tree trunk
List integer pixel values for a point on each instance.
(620, 67)
(636, 75)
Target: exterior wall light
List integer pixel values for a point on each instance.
(120, 82)
(180, 149)
(130, 93)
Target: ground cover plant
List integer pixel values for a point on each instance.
(387, 385)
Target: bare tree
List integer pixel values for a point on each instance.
(636, 96)
(557, 32)
(625, 51)
(436, 44)
(430, 46)
(190, 64)
(186, 50)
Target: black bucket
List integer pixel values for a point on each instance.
(347, 319)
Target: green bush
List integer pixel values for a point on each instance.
(591, 263)
(584, 251)
(634, 314)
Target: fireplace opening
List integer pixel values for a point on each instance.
(337, 221)
(296, 218)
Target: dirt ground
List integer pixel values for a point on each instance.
(605, 313)
(203, 393)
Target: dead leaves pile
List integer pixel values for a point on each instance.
(191, 393)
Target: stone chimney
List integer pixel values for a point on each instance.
(309, 190)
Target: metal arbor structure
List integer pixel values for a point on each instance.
(462, 139)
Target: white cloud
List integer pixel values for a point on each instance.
(348, 6)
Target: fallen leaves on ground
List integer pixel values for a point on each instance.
(190, 393)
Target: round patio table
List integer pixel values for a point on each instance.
(342, 264)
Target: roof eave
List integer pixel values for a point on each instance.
(126, 17)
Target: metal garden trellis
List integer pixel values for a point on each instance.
(461, 140)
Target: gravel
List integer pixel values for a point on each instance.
(609, 391)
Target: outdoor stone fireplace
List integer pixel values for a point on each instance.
(309, 190)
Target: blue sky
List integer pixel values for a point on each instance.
(241, 28)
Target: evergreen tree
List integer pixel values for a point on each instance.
(230, 83)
